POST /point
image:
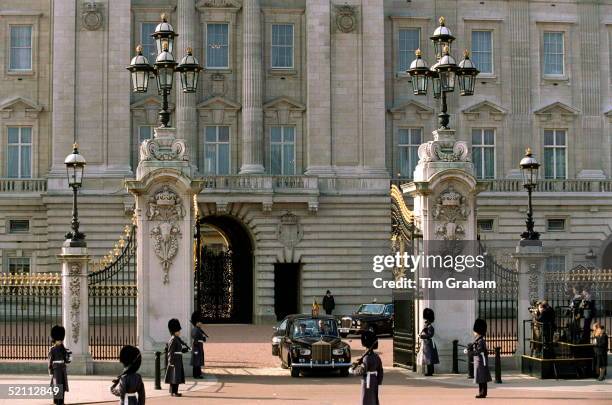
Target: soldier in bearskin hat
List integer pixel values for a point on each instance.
(129, 386)
(59, 356)
(198, 337)
(482, 375)
(175, 374)
(369, 366)
(428, 346)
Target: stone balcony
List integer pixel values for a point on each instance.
(544, 185)
(18, 186)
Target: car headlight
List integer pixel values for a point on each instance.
(358, 323)
(338, 352)
(304, 352)
(276, 340)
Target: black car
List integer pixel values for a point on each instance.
(375, 317)
(305, 342)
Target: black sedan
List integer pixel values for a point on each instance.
(375, 317)
(305, 342)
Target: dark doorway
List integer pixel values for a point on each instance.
(223, 279)
(606, 257)
(286, 289)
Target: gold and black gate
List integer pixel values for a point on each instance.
(223, 277)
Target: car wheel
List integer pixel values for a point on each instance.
(275, 351)
(295, 372)
(344, 372)
(343, 335)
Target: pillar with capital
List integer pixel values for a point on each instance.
(75, 312)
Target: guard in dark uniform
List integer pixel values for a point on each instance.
(129, 386)
(369, 366)
(601, 351)
(59, 356)
(198, 337)
(175, 374)
(430, 351)
(482, 375)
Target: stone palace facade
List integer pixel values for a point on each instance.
(303, 118)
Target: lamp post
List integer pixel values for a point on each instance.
(164, 68)
(529, 168)
(445, 73)
(75, 164)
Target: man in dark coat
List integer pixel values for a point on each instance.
(482, 375)
(198, 337)
(601, 351)
(129, 386)
(369, 366)
(175, 374)
(430, 351)
(546, 316)
(328, 303)
(59, 356)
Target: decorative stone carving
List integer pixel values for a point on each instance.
(166, 207)
(444, 148)
(74, 286)
(346, 18)
(163, 146)
(450, 211)
(289, 230)
(218, 3)
(534, 282)
(91, 16)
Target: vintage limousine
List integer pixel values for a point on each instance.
(377, 318)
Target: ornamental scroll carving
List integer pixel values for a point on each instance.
(165, 209)
(74, 287)
(164, 146)
(450, 211)
(444, 148)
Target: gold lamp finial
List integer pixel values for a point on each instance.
(528, 151)
(445, 50)
(442, 21)
(466, 53)
(75, 145)
(165, 46)
(418, 53)
(189, 50)
(164, 17)
(139, 49)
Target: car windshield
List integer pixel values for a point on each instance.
(314, 328)
(371, 309)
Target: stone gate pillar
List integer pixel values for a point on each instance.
(75, 315)
(164, 193)
(444, 191)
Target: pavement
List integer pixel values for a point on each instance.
(240, 370)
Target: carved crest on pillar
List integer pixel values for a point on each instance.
(74, 286)
(163, 146)
(289, 233)
(346, 18)
(450, 212)
(91, 16)
(165, 208)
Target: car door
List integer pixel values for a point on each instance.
(284, 342)
(277, 336)
(389, 317)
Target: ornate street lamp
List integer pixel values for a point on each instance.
(529, 168)
(75, 165)
(445, 73)
(164, 68)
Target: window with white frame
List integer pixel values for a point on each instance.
(19, 152)
(553, 54)
(555, 154)
(485, 225)
(555, 224)
(17, 265)
(20, 58)
(282, 46)
(409, 141)
(555, 263)
(149, 50)
(282, 150)
(408, 43)
(482, 51)
(217, 45)
(217, 150)
(483, 152)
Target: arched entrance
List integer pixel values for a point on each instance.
(223, 279)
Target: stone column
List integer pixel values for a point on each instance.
(444, 191)
(164, 193)
(186, 113)
(318, 87)
(75, 314)
(252, 112)
(529, 258)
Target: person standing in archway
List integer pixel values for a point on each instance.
(328, 303)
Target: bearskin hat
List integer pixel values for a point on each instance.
(196, 317)
(428, 315)
(130, 357)
(369, 339)
(58, 333)
(480, 326)
(174, 326)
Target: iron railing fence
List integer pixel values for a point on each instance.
(30, 304)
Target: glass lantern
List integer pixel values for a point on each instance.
(419, 72)
(139, 69)
(164, 35)
(529, 169)
(442, 38)
(467, 73)
(447, 69)
(189, 69)
(75, 165)
(164, 69)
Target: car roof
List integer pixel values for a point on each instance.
(308, 316)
